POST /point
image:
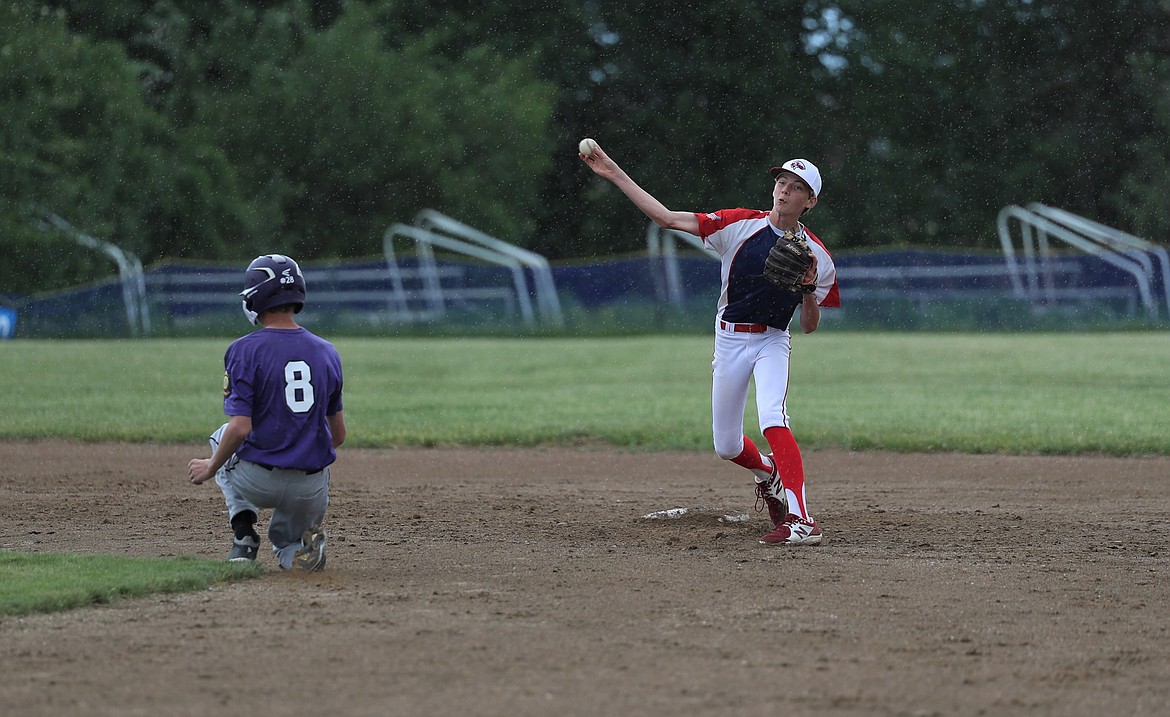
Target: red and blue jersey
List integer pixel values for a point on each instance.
(742, 238)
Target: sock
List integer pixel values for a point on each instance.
(787, 456)
(751, 458)
(242, 523)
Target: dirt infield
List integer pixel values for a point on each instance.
(526, 582)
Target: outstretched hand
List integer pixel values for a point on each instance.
(600, 163)
(606, 168)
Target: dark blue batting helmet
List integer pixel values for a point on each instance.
(272, 280)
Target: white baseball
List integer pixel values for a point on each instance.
(587, 147)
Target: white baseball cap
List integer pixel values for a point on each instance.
(804, 169)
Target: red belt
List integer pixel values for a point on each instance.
(743, 328)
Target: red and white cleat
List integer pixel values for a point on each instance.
(794, 530)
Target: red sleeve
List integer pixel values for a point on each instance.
(711, 222)
(833, 298)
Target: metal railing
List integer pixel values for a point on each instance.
(544, 287)
(1032, 276)
(130, 272)
(328, 286)
(432, 230)
(662, 247)
(433, 292)
(1138, 249)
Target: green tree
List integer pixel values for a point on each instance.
(80, 141)
(334, 126)
(695, 100)
(223, 128)
(350, 135)
(949, 111)
(1142, 197)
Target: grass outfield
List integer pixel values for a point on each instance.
(48, 582)
(1012, 393)
(1015, 393)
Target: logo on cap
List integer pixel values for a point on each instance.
(797, 163)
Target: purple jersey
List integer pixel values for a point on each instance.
(287, 381)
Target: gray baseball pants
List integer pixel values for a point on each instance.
(298, 500)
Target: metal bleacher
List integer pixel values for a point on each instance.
(130, 274)
(432, 230)
(662, 249)
(1032, 274)
(414, 288)
(440, 271)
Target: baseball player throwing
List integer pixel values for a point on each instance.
(282, 395)
(752, 339)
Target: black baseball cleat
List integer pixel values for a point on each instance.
(244, 549)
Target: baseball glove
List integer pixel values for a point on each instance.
(788, 261)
